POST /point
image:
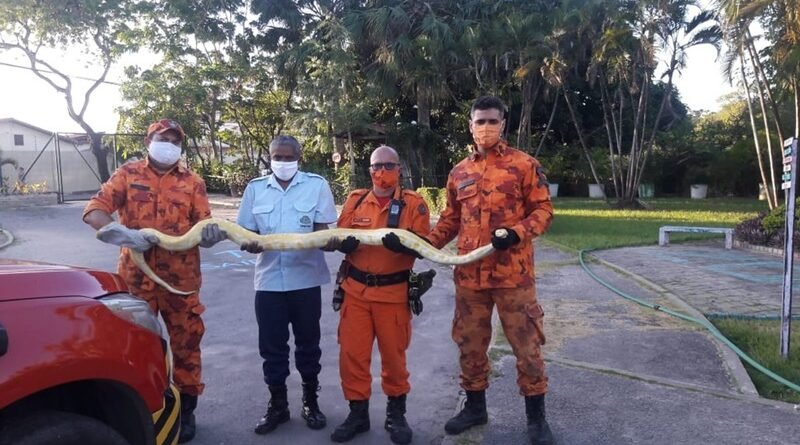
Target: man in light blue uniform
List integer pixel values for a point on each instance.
(288, 283)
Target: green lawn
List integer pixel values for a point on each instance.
(590, 224)
(760, 340)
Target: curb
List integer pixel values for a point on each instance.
(9, 238)
(232, 205)
(732, 362)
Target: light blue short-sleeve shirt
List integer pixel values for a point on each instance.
(267, 208)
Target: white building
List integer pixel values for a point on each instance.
(34, 150)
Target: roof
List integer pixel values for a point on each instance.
(75, 138)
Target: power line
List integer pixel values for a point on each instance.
(50, 72)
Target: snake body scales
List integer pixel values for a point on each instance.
(297, 241)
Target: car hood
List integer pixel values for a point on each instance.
(27, 279)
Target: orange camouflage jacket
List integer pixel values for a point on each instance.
(504, 188)
(171, 203)
(377, 259)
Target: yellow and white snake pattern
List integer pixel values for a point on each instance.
(297, 241)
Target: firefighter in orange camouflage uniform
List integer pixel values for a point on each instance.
(497, 187)
(161, 193)
(375, 285)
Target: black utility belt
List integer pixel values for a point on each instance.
(378, 280)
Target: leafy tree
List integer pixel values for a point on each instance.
(103, 30)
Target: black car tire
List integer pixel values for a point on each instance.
(58, 428)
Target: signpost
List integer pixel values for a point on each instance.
(790, 185)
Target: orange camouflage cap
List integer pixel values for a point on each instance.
(165, 125)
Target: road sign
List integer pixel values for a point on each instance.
(788, 246)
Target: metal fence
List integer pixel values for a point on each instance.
(63, 163)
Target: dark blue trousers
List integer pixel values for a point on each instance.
(275, 311)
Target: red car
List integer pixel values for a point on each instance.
(82, 361)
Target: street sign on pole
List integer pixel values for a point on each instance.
(790, 185)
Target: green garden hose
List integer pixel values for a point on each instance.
(705, 323)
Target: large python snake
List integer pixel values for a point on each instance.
(297, 241)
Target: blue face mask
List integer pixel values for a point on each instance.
(164, 152)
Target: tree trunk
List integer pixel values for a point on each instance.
(770, 202)
(580, 136)
(760, 72)
(101, 154)
(766, 130)
(549, 124)
(604, 102)
(529, 95)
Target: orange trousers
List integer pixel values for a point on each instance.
(360, 323)
(522, 319)
(181, 315)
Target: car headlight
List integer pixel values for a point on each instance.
(134, 310)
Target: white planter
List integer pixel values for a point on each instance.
(553, 190)
(596, 191)
(699, 191)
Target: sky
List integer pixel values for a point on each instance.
(27, 98)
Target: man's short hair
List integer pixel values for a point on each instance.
(288, 141)
(488, 103)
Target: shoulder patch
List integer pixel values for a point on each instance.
(422, 209)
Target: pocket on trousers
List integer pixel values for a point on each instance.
(535, 314)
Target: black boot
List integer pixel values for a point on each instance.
(473, 414)
(357, 422)
(538, 430)
(311, 413)
(277, 410)
(396, 424)
(188, 428)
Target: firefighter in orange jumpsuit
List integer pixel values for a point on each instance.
(497, 186)
(374, 280)
(160, 193)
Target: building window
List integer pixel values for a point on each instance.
(19, 140)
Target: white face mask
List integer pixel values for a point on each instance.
(284, 170)
(164, 152)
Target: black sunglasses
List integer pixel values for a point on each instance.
(384, 165)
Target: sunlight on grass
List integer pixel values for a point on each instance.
(591, 224)
(760, 340)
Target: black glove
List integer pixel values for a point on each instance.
(348, 245)
(251, 247)
(392, 242)
(504, 243)
(415, 306)
(338, 299)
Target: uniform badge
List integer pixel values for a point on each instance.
(305, 221)
(422, 210)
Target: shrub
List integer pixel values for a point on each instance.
(766, 229)
(435, 197)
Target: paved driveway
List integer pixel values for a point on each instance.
(235, 396)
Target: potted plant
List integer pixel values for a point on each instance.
(555, 170)
(698, 179)
(238, 174)
(602, 166)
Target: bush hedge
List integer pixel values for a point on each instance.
(435, 197)
(767, 229)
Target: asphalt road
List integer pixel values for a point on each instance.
(235, 395)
